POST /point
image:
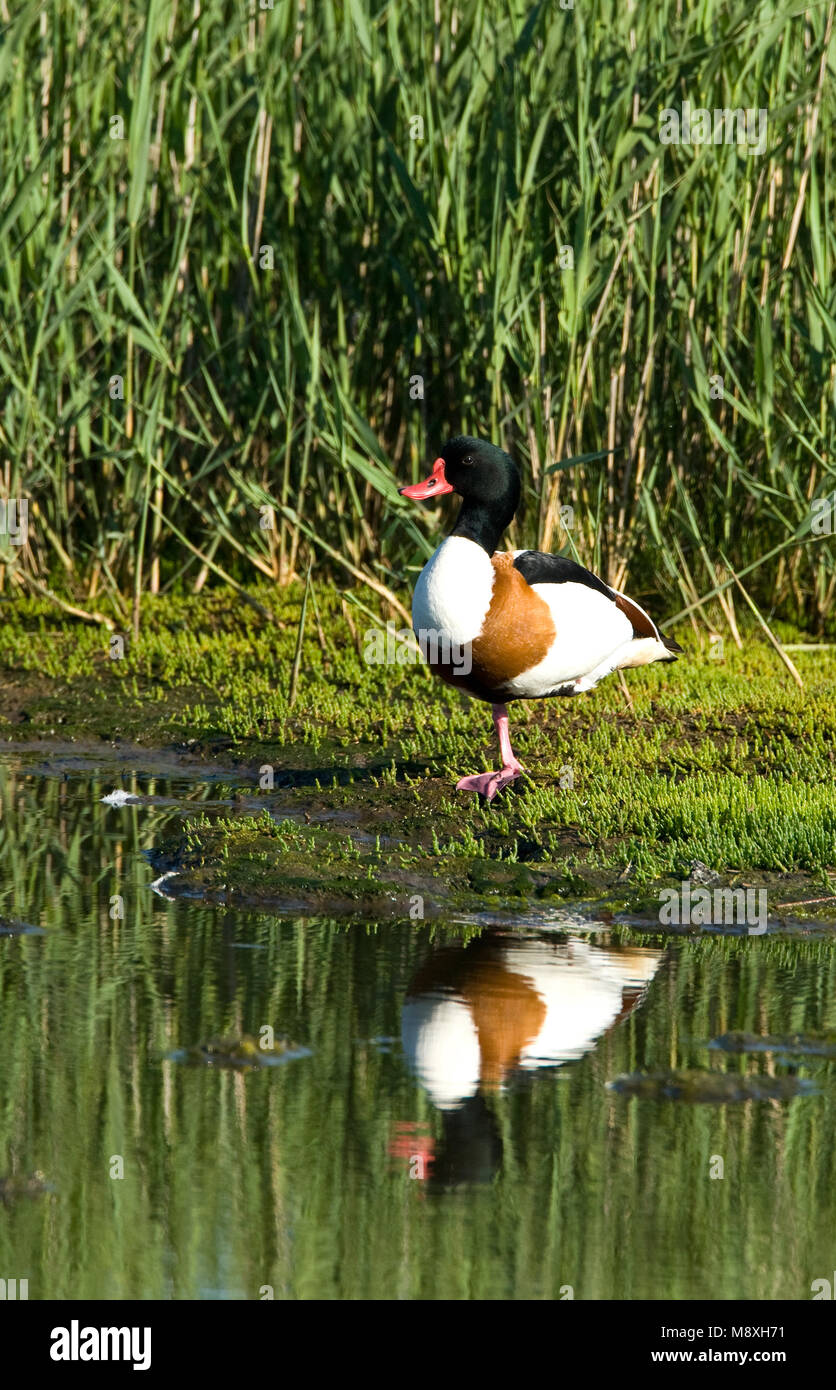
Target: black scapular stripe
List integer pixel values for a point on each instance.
(538, 568)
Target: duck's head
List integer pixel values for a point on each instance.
(486, 478)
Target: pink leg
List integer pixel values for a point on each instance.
(489, 783)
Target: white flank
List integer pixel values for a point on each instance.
(589, 631)
(640, 651)
(453, 593)
(581, 986)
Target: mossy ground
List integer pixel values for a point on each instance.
(723, 761)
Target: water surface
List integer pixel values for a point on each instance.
(448, 1128)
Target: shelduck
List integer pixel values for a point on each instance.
(515, 625)
(474, 1016)
(478, 1019)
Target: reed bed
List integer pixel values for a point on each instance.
(259, 263)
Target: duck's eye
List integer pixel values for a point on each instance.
(468, 461)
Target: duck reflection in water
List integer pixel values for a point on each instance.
(477, 1016)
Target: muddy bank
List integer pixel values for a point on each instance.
(358, 852)
(343, 797)
(373, 845)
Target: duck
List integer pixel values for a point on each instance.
(481, 1017)
(504, 625)
(478, 1015)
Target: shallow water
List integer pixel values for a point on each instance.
(444, 1123)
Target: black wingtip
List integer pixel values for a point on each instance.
(671, 645)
